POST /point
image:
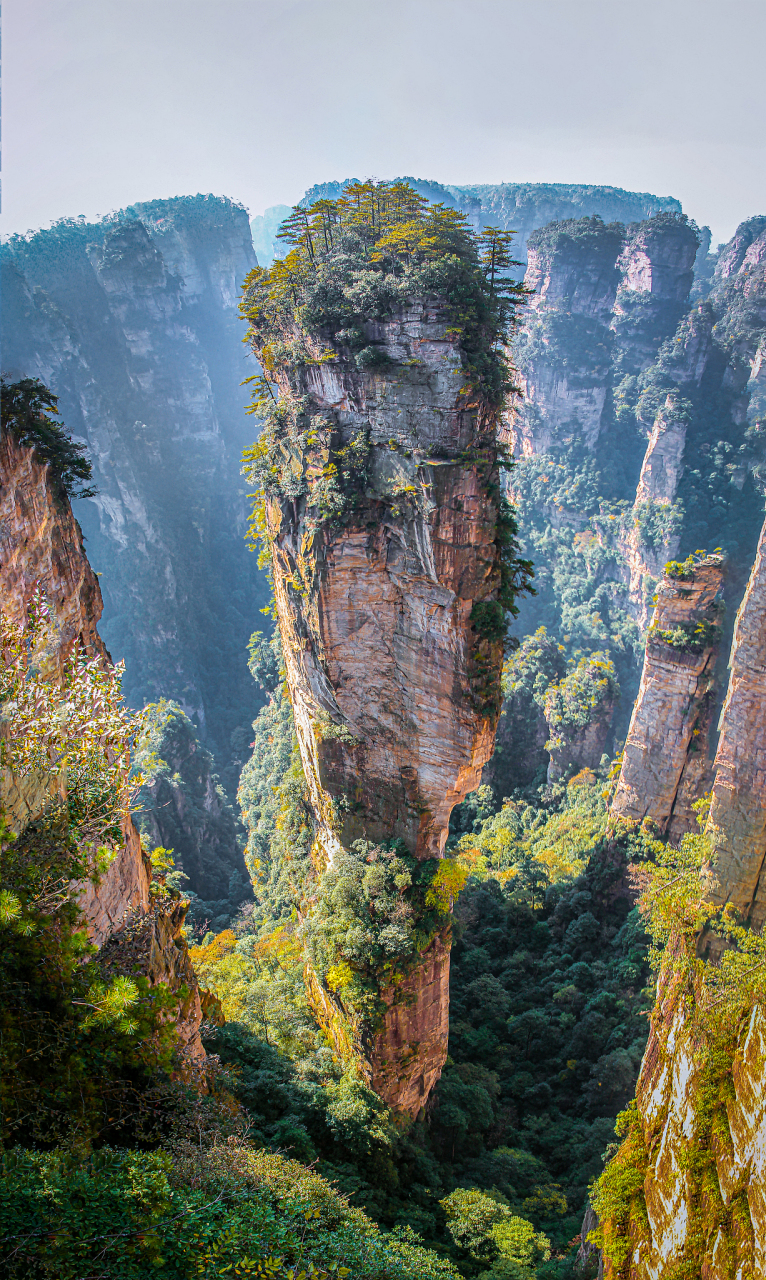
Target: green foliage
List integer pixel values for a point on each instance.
(182, 806)
(580, 697)
(355, 261)
(719, 998)
(373, 913)
(690, 637)
(364, 255)
(71, 720)
(488, 1231)
(82, 1039)
(202, 1212)
(29, 412)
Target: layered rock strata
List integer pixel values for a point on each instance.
(666, 764)
(41, 548)
(41, 545)
(699, 1144)
(737, 823)
(699, 1112)
(395, 691)
(601, 295)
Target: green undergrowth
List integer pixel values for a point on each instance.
(709, 1005)
(29, 412)
(547, 996)
(224, 1209)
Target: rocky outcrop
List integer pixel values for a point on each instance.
(697, 1147)
(394, 686)
(132, 322)
(563, 351)
(657, 266)
(700, 1122)
(666, 765)
(602, 295)
(737, 822)
(41, 548)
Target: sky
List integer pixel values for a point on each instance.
(107, 102)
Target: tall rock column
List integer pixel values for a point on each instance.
(666, 764)
(737, 822)
(393, 553)
(41, 549)
(698, 1134)
(393, 685)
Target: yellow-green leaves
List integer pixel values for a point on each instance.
(110, 1006)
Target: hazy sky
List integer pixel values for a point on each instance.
(111, 101)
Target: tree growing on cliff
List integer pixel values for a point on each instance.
(29, 411)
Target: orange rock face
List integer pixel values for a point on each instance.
(395, 691)
(41, 547)
(666, 764)
(723, 1125)
(737, 822)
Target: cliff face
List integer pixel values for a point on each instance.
(41, 546)
(666, 765)
(394, 689)
(701, 1112)
(737, 822)
(673, 460)
(132, 322)
(604, 298)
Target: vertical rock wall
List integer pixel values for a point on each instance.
(666, 763)
(737, 821)
(41, 546)
(701, 1117)
(132, 322)
(395, 693)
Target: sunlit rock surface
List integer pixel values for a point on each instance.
(666, 764)
(41, 547)
(395, 694)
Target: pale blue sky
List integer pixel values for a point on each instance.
(111, 101)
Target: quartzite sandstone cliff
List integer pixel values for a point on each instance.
(722, 1237)
(394, 691)
(666, 764)
(132, 322)
(41, 547)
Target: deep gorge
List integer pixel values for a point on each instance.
(408, 789)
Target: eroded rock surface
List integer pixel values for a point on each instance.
(395, 692)
(666, 764)
(41, 547)
(132, 321)
(737, 821)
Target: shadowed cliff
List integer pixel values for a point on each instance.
(132, 322)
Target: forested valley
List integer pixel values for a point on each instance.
(342, 853)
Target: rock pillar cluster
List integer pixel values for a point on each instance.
(666, 764)
(393, 681)
(41, 548)
(685, 1125)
